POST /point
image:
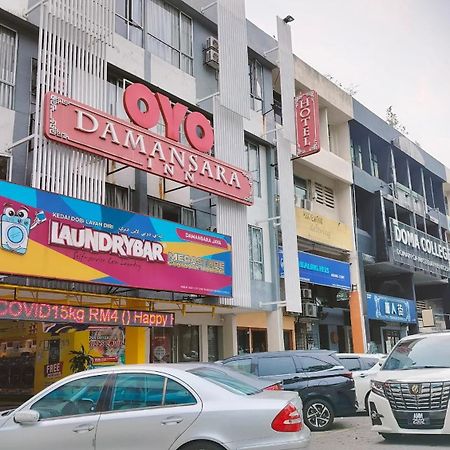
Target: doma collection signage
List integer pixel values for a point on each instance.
(72, 123)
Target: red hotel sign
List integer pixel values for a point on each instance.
(46, 312)
(72, 123)
(307, 121)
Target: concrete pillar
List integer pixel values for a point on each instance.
(137, 341)
(275, 339)
(204, 350)
(229, 335)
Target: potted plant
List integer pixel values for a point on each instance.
(80, 360)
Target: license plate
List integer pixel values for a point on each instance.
(419, 419)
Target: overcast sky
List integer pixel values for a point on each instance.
(395, 52)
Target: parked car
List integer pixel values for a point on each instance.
(363, 367)
(325, 386)
(163, 407)
(410, 394)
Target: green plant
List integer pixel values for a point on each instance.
(80, 360)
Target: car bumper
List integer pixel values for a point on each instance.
(292, 441)
(384, 421)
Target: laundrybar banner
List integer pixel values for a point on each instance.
(391, 309)
(57, 237)
(418, 249)
(322, 271)
(47, 312)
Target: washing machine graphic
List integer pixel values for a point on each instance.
(15, 230)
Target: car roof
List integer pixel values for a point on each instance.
(283, 353)
(426, 334)
(360, 355)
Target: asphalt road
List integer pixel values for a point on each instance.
(353, 433)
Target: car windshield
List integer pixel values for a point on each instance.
(423, 352)
(226, 381)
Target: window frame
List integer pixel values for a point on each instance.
(11, 84)
(253, 66)
(129, 21)
(252, 231)
(252, 146)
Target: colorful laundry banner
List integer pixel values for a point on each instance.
(57, 237)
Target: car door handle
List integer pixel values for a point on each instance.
(171, 420)
(84, 428)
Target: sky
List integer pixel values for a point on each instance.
(393, 52)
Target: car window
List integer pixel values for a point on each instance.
(226, 381)
(368, 363)
(73, 398)
(310, 364)
(134, 391)
(242, 365)
(351, 364)
(276, 365)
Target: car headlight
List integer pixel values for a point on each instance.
(377, 387)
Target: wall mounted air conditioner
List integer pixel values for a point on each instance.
(212, 43)
(212, 58)
(306, 293)
(310, 310)
(306, 203)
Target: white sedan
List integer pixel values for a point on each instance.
(162, 407)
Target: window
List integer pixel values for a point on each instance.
(116, 86)
(356, 155)
(214, 343)
(255, 238)
(351, 364)
(276, 366)
(169, 34)
(253, 166)
(171, 211)
(241, 365)
(277, 108)
(139, 390)
(74, 398)
(368, 363)
(374, 164)
(118, 197)
(301, 190)
(4, 167)
(310, 364)
(129, 20)
(8, 44)
(324, 195)
(255, 70)
(188, 343)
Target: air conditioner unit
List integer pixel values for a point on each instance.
(306, 203)
(306, 293)
(212, 43)
(310, 310)
(212, 58)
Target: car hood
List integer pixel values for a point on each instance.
(413, 375)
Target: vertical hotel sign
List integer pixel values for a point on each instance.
(307, 122)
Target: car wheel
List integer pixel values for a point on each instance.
(318, 415)
(389, 436)
(202, 445)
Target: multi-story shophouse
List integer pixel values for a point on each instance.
(402, 232)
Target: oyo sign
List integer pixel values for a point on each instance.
(307, 121)
(72, 123)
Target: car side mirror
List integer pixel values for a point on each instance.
(26, 417)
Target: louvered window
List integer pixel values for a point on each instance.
(8, 48)
(324, 195)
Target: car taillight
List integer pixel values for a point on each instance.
(273, 387)
(348, 375)
(288, 420)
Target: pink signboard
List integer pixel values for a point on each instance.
(307, 121)
(75, 124)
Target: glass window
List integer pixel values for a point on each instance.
(117, 196)
(351, 364)
(187, 343)
(374, 163)
(301, 190)
(357, 155)
(256, 252)
(129, 20)
(226, 381)
(241, 365)
(169, 34)
(368, 363)
(133, 391)
(4, 167)
(253, 166)
(280, 365)
(310, 364)
(256, 85)
(8, 45)
(214, 343)
(171, 211)
(176, 394)
(74, 398)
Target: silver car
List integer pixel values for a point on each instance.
(157, 407)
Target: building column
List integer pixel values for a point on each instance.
(356, 320)
(137, 345)
(230, 343)
(204, 350)
(275, 339)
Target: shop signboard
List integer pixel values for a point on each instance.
(83, 315)
(307, 121)
(72, 123)
(322, 271)
(56, 237)
(419, 250)
(391, 309)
